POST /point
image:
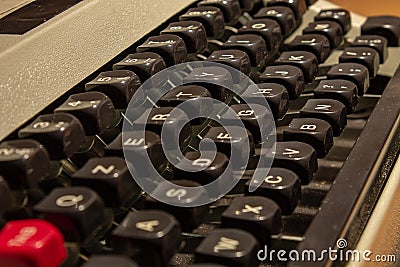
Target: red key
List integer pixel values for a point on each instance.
(31, 243)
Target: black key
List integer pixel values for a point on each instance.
(173, 121)
(6, 197)
(189, 217)
(231, 247)
(144, 64)
(268, 29)
(289, 76)
(376, 42)
(363, 55)
(257, 215)
(230, 9)
(329, 29)
(353, 72)
(338, 15)
(253, 45)
(197, 99)
(110, 178)
(169, 46)
(234, 58)
(310, 2)
(78, 212)
(329, 110)
(281, 14)
(235, 141)
(315, 132)
(250, 116)
(247, 5)
(341, 90)
(215, 79)
(61, 133)
(314, 43)
(93, 109)
(301, 158)
(138, 146)
(203, 169)
(23, 163)
(192, 33)
(118, 85)
(211, 18)
(109, 260)
(298, 7)
(276, 95)
(145, 233)
(386, 26)
(282, 186)
(306, 61)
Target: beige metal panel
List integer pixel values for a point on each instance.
(41, 65)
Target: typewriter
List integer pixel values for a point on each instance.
(70, 71)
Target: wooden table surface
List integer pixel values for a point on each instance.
(371, 7)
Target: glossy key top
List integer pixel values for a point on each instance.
(289, 76)
(110, 178)
(28, 243)
(23, 163)
(301, 158)
(386, 26)
(189, 216)
(61, 133)
(252, 44)
(94, 110)
(230, 9)
(169, 46)
(257, 215)
(306, 61)
(231, 247)
(298, 7)
(363, 55)
(211, 17)
(338, 15)
(353, 72)
(341, 90)
(144, 64)
(118, 85)
(330, 29)
(145, 233)
(329, 110)
(282, 186)
(192, 33)
(77, 211)
(281, 14)
(315, 132)
(268, 29)
(315, 43)
(276, 95)
(232, 57)
(201, 168)
(197, 99)
(379, 43)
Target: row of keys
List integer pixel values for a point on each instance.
(282, 185)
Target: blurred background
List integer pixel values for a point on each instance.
(371, 7)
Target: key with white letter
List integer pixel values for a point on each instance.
(231, 247)
(257, 215)
(145, 233)
(299, 157)
(175, 192)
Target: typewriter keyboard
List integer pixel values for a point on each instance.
(67, 194)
